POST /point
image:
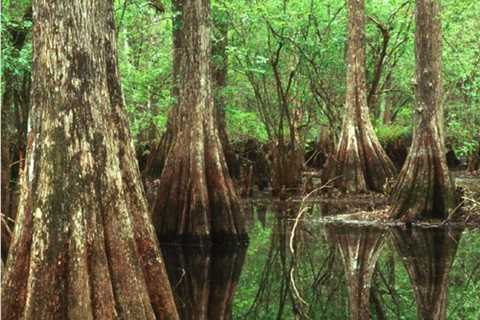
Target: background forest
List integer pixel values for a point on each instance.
(286, 69)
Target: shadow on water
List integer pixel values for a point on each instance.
(297, 268)
(204, 279)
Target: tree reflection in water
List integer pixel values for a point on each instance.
(301, 269)
(428, 255)
(360, 248)
(204, 279)
(297, 280)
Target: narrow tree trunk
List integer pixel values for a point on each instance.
(428, 255)
(84, 246)
(424, 188)
(6, 197)
(166, 141)
(360, 249)
(196, 198)
(15, 107)
(360, 163)
(219, 78)
(474, 159)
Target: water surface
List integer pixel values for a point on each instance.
(302, 269)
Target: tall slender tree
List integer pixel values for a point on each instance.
(360, 163)
(196, 197)
(424, 188)
(14, 114)
(219, 82)
(84, 246)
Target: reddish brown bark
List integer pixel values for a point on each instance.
(287, 166)
(166, 141)
(196, 197)
(360, 163)
(84, 246)
(424, 188)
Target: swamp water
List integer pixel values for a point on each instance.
(329, 271)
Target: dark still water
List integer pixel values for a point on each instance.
(322, 271)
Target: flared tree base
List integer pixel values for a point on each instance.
(359, 165)
(196, 201)
(424, 189)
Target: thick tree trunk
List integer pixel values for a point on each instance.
(428, 255)
(196, 198)
(424, 188)
(360, 249)
(84, 246)
(360, 163)
(204, 278)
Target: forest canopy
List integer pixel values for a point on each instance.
(304, 42)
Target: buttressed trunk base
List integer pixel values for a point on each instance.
(196, 198)
(360, 163)
(424, 189)
(84, 246)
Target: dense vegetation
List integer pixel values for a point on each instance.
(224, 99)
(301, 41)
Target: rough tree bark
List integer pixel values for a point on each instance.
(428, 255)
(196, 198)
(360, 163)
(360, 249)
(424, 188)
(84, 246)
(159, 155)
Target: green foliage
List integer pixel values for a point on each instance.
(401, 129)
(461, 133)
(144, 41)
(310, 39)
(15, 61)
(244, 124)
(391, 133)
